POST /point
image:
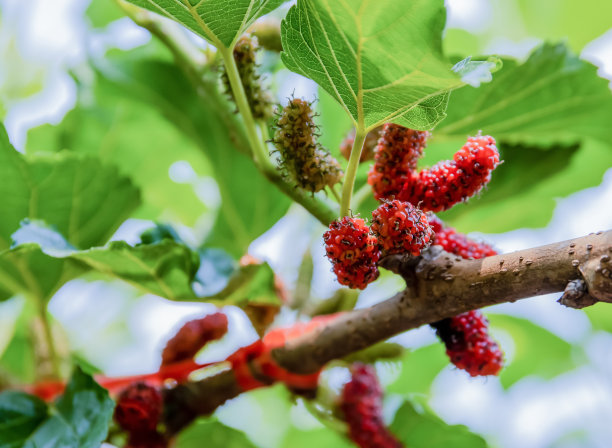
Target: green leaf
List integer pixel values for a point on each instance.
(103, 12)
(422, 429)
(536, 350)
(382, 61)
(383, 351)
(80, 417)
(85, 200)
(600, 316)
(166, 269)
(139, 141)
(214, 434)
(323, 437)
(220, 22)
(419, 368)
(552, 98)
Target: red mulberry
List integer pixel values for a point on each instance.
(147, 439)
(192, 336)
(259, 99)
(369, 146)
(138, 408)
(396, 156)
(401, 228)
(447, 183)
(353, 250)
(362, 408)
(304, 159)
(457, 243)
(468, 344)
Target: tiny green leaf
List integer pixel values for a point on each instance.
(381, 60)
(220, 22)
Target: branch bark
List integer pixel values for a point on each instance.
(439, 285)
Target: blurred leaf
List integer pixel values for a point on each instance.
(556, 19)
(334, 123)
(18, 362)
(80, 417)
(253, 283)
(250, 204)
(350, 50)
(301, 293)
(419, 368)
(166, 269)
(536, 350)
(422, 429)
(9, 316)
(103, 12)
(218, 21)
(214, 434)
(600, 316)
(139, 141)
(321, 438)
(85, 200)
(552, 98)
(383, 351)
(343, 300)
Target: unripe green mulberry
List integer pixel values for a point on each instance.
(304, 159)
(259, 99)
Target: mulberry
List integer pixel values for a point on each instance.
(468, 344)
(304, 159)
(192, 336)
(401, 228)
(353, 250)
(138, 408)
(396, 157)
(457, 243)
(362, 408)
(259, 99)
(369, 145)
(146, 439)
(447, 183)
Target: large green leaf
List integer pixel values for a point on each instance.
(84, 199)
(250, 204)
(322, 437)
(552, 98)
(423, 429)
(139, 141)
(80, 417)
(382, 60)
(536, 350)
(102, 12)
(214, 434)
(220, 22)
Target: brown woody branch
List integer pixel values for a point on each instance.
(439, 285)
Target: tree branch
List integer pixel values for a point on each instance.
(439, 285)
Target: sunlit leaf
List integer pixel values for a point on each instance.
(220, 22)
(382, 61)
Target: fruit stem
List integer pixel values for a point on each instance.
(316, 207)
(351, 172)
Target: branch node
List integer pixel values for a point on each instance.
(597, 274)
(576, 295)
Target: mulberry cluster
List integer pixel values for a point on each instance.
(354, 252)
(401, 228)
(395, 159)
(457, 243)
(259, 99)
(304, 159)
(362, 408)
(369, 145)
(447, 183)
(192, 336)
(468, 344)
(138, 412)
